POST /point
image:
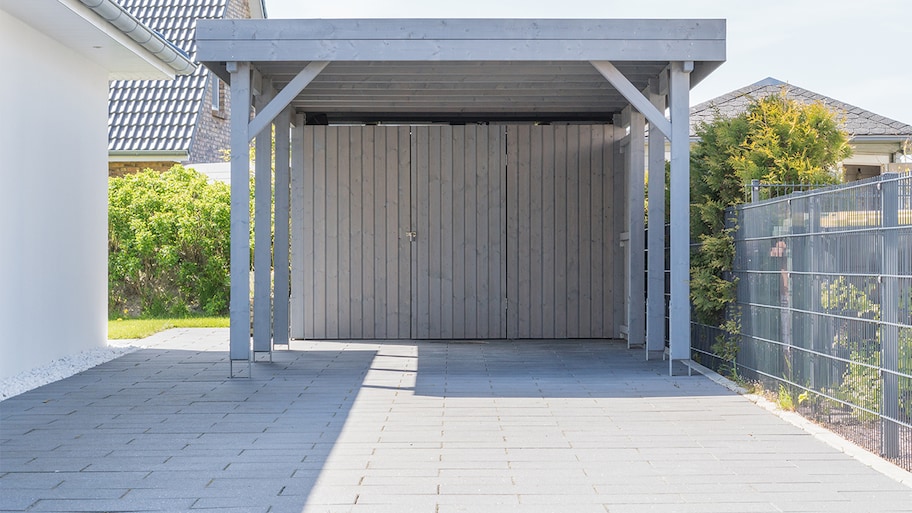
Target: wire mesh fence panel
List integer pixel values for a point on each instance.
(825, 299)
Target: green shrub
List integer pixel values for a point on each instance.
(168, 244)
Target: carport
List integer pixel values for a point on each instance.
(459, 179)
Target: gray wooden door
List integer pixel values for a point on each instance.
(514, 232)
(459, 277)
(356, 214)
(563, 273)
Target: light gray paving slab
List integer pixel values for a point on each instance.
(352, 426)
(58, 505)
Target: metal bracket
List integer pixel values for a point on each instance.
(231, 368)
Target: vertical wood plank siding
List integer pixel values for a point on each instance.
(460, 211)
(355, 217)
(560, 232)
(516, 229)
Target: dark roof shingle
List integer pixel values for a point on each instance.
(858, 122)
(160, 115)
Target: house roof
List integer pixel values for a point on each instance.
(158, 116)
(860, 123)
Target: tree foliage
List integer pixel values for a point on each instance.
(790, 143)
(168, 244)
(776, 140)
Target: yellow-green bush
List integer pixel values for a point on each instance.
(168, 244)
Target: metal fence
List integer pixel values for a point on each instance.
(756, 191)
(824, 297)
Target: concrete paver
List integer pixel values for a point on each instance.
(368, 426)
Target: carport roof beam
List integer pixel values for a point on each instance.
(461, 70)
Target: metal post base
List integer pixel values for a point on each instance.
(676, 367)
(654, 354)
(231, 368)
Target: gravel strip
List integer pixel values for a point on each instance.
(63, 368)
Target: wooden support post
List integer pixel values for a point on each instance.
(262, 238)
(617, 192)
(655, 281)
(239, 333)
(296, 305)
(281, 239)
(679, 309)
(636, 166)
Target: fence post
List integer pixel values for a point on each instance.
(889, 308)
(816, 254)
(785, 287)
(755, 190)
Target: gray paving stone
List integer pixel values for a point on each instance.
(59, 505)
(231, 505)
(16, 501)
(351, 426)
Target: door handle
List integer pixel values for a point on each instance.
(411, 236)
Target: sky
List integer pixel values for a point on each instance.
(857, 52)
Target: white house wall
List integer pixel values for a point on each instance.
(53, 200)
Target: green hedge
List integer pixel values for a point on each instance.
(168, 244)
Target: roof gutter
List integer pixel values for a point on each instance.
(146, 37)
(147, 155)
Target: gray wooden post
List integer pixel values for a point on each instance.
(262, 237)
(655, 280)
(889, 307)
(679, 309)
(296, 302)
(239, 332)
(636, 166)
(617, 192)
(755, 190)
(281, 239)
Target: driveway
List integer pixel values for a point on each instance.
(399, 426)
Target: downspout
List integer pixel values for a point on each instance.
(147, 38)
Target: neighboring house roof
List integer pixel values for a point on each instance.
(157, 116)
(859, 123)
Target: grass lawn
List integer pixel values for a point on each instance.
(140, 328)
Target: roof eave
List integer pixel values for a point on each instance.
(147, 156)
(888, 138)
(176, 61)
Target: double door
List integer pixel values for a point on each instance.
(455, 232)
